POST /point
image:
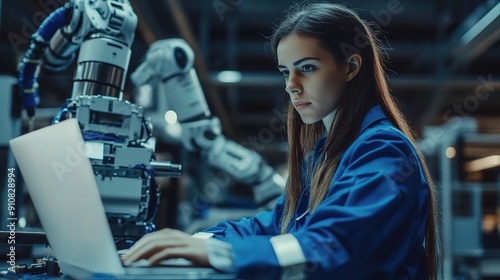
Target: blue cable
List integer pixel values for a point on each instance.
(64, 109)
(32, 59)
(89, 136)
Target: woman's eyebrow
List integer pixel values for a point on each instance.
(299, 61)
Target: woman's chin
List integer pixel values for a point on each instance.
(309, 120)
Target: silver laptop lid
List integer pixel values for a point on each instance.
(61, 183)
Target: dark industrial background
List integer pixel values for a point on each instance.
(432, 67)
(443, 62)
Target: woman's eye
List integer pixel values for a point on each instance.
(308, 68)
(285, 74)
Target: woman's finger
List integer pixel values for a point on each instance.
(150, 247)
(197, 255)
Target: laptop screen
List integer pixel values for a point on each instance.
(62, 186)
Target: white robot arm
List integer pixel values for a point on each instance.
(103, 30)
(124, 159)
(169, 63)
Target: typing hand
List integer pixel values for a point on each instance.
(168, 244)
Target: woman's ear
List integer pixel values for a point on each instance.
(353, 66)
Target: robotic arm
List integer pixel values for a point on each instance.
(169, 64)
(103, 30)
(124, 164)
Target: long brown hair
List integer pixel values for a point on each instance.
(341, 32)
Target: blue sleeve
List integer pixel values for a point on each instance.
(370, 225)
(264, 223)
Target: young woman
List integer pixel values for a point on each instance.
(359, 202)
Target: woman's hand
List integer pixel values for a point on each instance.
(168, 244)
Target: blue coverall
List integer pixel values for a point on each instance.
(370, 225)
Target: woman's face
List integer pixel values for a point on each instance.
(314, 80)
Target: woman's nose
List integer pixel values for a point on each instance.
(293, 86)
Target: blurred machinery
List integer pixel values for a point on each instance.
(466, 167)
(117, 135)
(168, 69)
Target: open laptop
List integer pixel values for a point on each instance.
(62, 186)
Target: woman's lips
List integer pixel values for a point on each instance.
(299, 105)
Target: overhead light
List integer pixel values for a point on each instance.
(229, 77)
(22, 222)
(480, 25)
(483, 163)
(171, 117)
(451, 152)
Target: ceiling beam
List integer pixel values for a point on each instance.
(476, 35)
(144, 29)
(265, 12)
